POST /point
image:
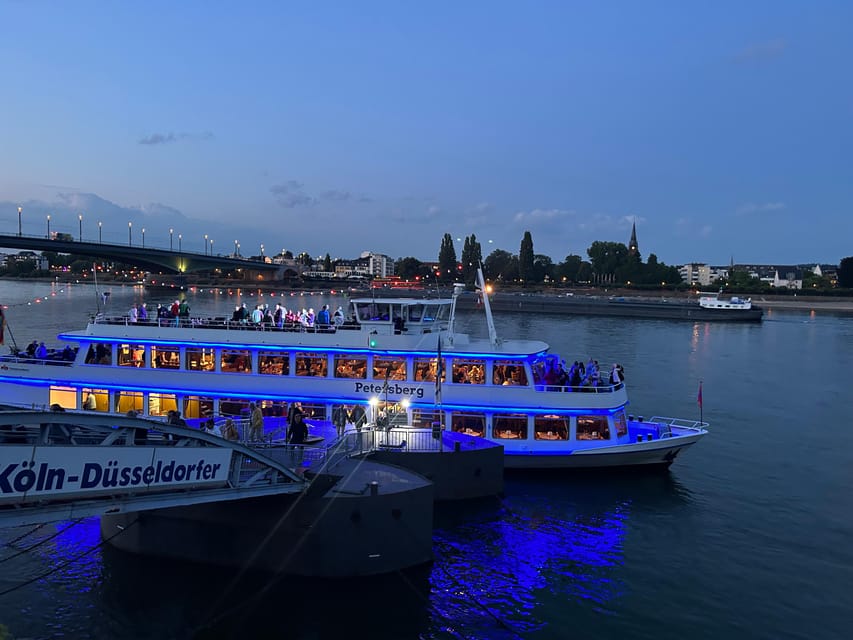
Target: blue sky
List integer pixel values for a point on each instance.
(724, 129)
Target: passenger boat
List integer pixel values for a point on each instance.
(399, 357)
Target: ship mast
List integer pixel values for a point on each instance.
(490, 321)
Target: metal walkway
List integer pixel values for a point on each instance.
(63, 465)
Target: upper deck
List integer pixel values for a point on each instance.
(402, 325)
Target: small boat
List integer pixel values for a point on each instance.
(391, 355)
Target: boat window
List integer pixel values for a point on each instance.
(509, 426)
(160, 404)
(131, 355)
(425, 369)
(469, 371)
(128, 401)
(621, 424)
(235, 361)
(314, 411)
(392, 368)
(65, 397)
(99, 354)
(416, 312)
(347, 366)
(200, 359)
(430, 313)
(238, 407)
(274, 363)
(373, 311)
(198, 407)
(472, 424)
(100, 399)
(551, 427)
(509, 372)
(424, 418)
(312, 364)
(593, 428)
(165, 357)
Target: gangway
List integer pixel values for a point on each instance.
(57, 465)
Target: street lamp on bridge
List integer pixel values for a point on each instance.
(100, 229)
(80, 220)
(19, 220)
(48, 226)
(236, 248)
(211, 246)
(262, 249)
(205, 244)
(129, 234)
(180, 237)
(143, 237)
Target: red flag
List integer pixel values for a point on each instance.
(699, 397)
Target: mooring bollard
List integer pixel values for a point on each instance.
(457, 446)
(374, 488)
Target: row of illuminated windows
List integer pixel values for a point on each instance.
(508, 426)
(343, 365)
(520, 426)
(160, 404)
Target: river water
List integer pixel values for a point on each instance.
(748, 535)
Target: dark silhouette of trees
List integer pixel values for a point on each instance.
(501, 265)
(845, 273)
(472, 256)
(567, 270)
(447, 259)
(410, 268)
(327, 263)
(526, 259)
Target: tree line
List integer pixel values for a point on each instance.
(606, 263)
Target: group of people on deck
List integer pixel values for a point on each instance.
(37, 350)
(262, 316)
(178, 310)
(556, 377)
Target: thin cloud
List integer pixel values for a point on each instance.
(761, 51)
(540, 215)
(290, 194)
(766, 207)
(167, 138)
(336, 195)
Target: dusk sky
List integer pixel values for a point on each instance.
(725, 129)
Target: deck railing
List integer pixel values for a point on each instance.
(223, 323)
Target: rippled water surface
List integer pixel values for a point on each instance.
(747, 536)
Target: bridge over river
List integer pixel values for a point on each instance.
(149, 258)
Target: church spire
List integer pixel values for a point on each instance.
(633, 249)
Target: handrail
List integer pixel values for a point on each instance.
(602, 388)
(680, 423)
(222, 323)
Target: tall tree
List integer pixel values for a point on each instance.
(447, 258)
(567, 270)
(543, 267)
(526, 258)
(408, 268)
(609, 259)
(472, 256)
(501, 265)
(327, 263)
(845, 273)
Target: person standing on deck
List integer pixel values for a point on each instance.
(340, 417)
(256, 423)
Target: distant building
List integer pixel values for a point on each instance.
(11, 259)
(788, 278)
(695, 273)
(379, 265)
